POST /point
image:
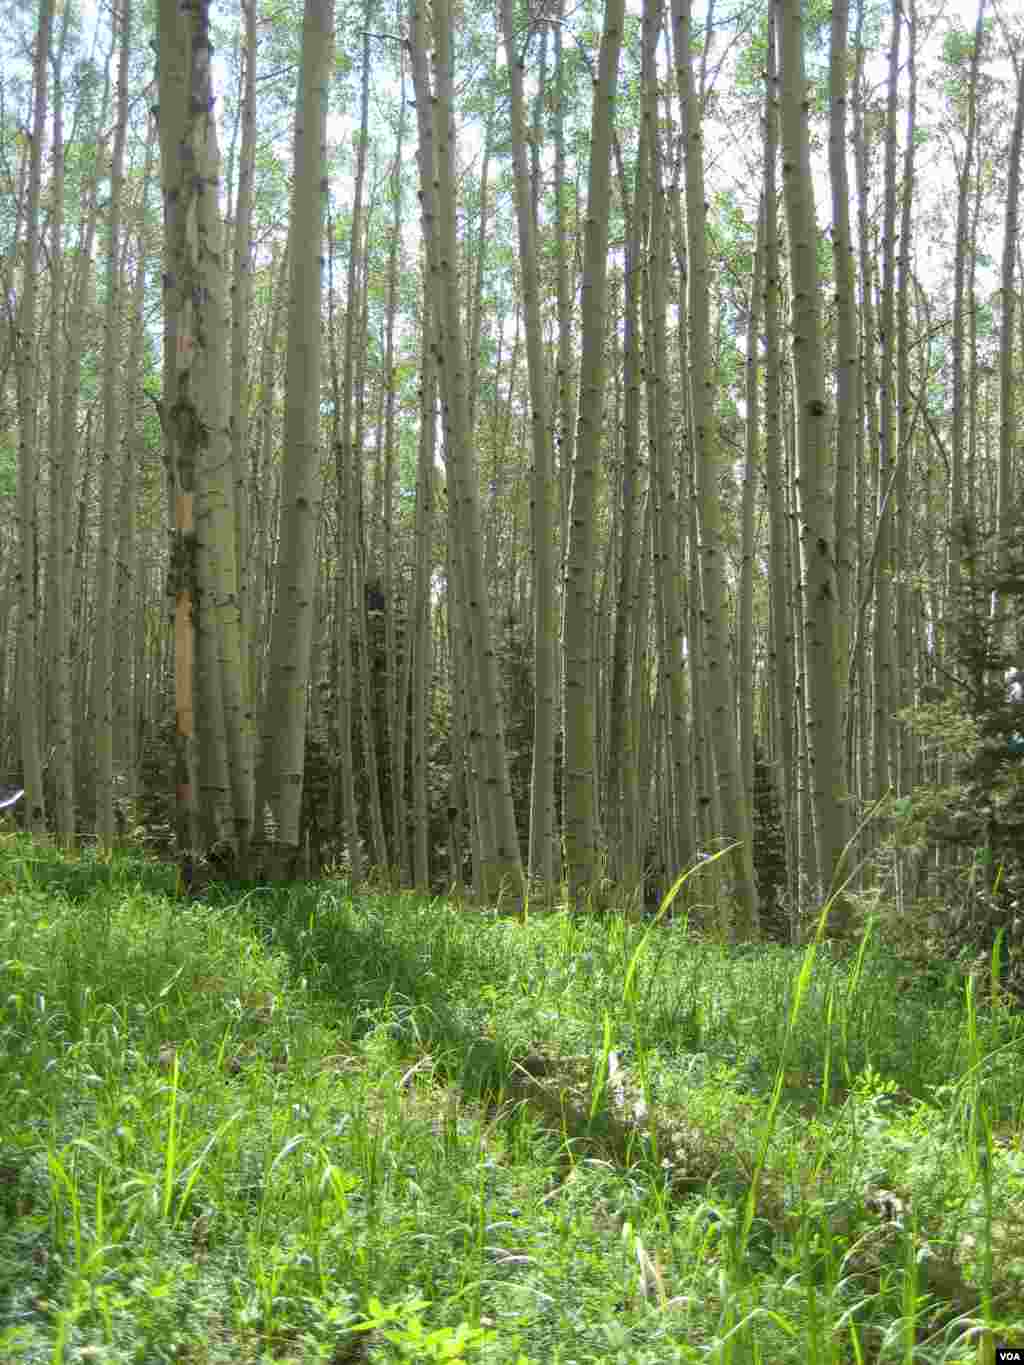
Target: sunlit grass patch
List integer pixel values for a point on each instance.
(303, 1124)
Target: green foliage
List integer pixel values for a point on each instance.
(308, 1126)
(977, 821)
(958, 46)
(8, 465)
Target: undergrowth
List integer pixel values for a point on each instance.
(298, 1124)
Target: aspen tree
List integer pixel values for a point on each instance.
(542, 800)
(463, 800)
(664, 464)
(344, 522)
(564, 268)
(263, 473)
(847, 341)
(200, 416)
(73, 513)
(103, 644)
(61, 475)
(578, 620)
(623, 759)
(869, 446)
(745, 633)
(781, 598)
(906, 764)
(828, 790)
(128, 671)
(475, 278)
(958, 496)
(28, 454)
(397, 687)
(420, 627)
(1009, 301)
(721, 693)
(352, 447)
(500, 859)
(241, 311)
(174, 77)
(282, 758)
(883, 651)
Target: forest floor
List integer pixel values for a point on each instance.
(299, 1124)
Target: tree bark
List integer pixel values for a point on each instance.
(738, 823)
(817, 524)
(103, 643)
(542, 800)
(28, 453)
(578, 628)
(282, 758)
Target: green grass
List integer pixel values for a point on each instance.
(305, 1125)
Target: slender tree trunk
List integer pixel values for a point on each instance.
(501, 861)
(903, 677)
(367, 689)
(475, 291)
(622, 761)
(542, 801)
(664, 464)
(241, 310)
(224, 720)
(817, 528)
(350, 451)
(858, 663)
(957, 498)
(343, 562)
(419, 629)
(262, 482)
(578, 628)
(397, 691)
(745, 633)
(28, 524)
(62, 465)
(781, 599)
(1007, 390)
(174, 86)
(847, 343)
(564, 266)
(282, 757)
(126, 649)
(708, 459)
(103, 654)
(883, 653)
